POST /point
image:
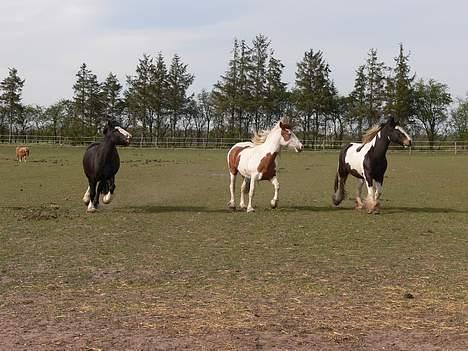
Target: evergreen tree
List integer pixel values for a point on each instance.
(431, 102)
(179, 80)
(159, 85)
(111, 96)
(276, 95)
(225, 91)
(375, 88)
(399, 89)
(11, 89)
(314, 92)
(358, 99)
(80, 97)
(139, 95)
(257, 79)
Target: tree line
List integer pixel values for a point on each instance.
(156, 100)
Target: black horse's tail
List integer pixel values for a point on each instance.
(339, 193)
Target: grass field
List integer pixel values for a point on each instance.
(168, 266)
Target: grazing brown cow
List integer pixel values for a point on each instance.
(22, 152)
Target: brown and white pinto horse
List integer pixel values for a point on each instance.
(22, 153)
(367, 161)
(258, 160)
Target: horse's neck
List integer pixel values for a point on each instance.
(107, 148)
(381, 144)
(272, 143)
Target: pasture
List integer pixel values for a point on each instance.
(168, 266)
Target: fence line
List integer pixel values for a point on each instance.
(218, 143)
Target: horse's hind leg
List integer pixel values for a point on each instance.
(251, 194)
(232, 188)
(276, 185)
(245, 187)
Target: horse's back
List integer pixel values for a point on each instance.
(233, 156)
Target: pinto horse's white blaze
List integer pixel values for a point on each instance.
(124, 132)
(367, 161)
(258, 160)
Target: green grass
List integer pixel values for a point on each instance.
(167, 255)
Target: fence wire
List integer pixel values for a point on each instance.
(455, 146)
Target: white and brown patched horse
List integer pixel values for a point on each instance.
(101, 162)
(367, 161)
(22, 153)
(258, 160)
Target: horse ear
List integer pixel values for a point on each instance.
(281, 124)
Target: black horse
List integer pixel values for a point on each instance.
(101, 162)
(367, 161)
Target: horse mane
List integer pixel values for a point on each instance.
(371, 133)
(260, 137)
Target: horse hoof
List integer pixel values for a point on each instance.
(107, 199)
(274, 203)
(250, 209)
(231, 205)
(91, 210)
(242, 207)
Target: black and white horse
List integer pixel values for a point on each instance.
(367, 162)
(101, 162)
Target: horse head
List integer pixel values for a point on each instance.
(116, 133)
(288, 138)
(395, 133)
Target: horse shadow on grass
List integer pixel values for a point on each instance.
(170, 209)
(385, 209)
(203, 209)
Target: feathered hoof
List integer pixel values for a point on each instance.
(91, 210)
(359, 205)
(250, 209)
(107, 199)
(274, 203)
(231, 205)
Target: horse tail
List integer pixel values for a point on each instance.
(339, 193)
(340, 178)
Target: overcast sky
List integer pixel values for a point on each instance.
(47, 40)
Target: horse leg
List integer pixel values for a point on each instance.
(245, 187)
(378, 193)
(92, 195)
(86, 196)
(107, 198)
(276, 185)
(251, 194)
(232, 188)
(359, 203)
(100, 189)
(370, 200)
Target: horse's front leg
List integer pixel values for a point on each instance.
(107, 198)
(92, 195)
(276, 185)
(99, 191)
(251, 194)
(378, 193)
(370, 200)
(86, 196)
